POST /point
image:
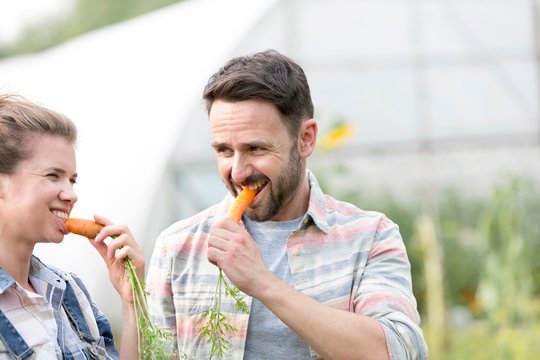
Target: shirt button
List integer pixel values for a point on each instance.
(296, 252)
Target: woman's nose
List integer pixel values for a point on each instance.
(68, 194)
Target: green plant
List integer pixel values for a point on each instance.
(154, 343)
(217, 329)
(505, 282)
(480, 341)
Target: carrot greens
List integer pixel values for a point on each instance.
(154, 343)
(217, 329)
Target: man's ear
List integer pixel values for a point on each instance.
(307, 137)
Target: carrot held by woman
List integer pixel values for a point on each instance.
(83, 227)
(154, 343)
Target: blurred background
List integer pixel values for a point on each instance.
(428, 112)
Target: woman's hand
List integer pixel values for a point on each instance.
(121, 246)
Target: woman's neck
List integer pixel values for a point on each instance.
(15, 260)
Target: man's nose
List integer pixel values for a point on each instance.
(241, 168)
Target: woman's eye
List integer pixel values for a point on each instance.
(52, 176)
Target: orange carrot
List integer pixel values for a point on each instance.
(241, 203)
(83, 227)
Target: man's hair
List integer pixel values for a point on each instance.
(19, 120)
(268, 76)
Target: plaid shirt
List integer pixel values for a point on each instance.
(341, 256)
(42, 318)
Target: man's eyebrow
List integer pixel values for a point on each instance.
(248, 145)
(257, 144)
(217, 145)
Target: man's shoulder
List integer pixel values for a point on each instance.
(326, 205)
(339, 212)
(347, 209)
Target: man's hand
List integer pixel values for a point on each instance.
(232, 249)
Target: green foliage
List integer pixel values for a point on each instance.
(481, 342)
(505, 282)
(217, 330)
(458, 218)
(154, 343)
(86, 16)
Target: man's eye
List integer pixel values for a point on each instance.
(224, 152)
(256, 149)
(53, 176)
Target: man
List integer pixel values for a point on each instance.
(321, 278)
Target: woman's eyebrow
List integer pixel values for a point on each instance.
(60, 171)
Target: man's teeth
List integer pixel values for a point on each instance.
(60, 214)
(256, 185)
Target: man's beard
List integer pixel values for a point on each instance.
(287, 184)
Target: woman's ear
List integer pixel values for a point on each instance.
(307, 137)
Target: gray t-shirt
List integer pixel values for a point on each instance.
(267, 336)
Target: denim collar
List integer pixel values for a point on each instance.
(6, 281)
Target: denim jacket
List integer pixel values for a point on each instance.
(93, 337)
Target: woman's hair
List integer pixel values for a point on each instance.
(21, 119)
(268, 76)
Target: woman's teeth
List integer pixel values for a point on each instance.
(60, 214)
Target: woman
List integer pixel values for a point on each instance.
(46, 313)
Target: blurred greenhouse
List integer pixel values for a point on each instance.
(434, 111)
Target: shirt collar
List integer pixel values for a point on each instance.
(45, 273)
(317, 211)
